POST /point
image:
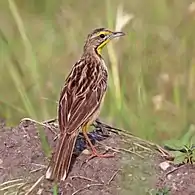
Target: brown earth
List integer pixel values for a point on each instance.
(134, 169)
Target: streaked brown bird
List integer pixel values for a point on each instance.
(80, 101)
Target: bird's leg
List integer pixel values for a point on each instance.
(94, 151)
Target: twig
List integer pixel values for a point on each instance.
(40, 123)
(173, 170)
(11, 186)
(53, 120)
(34, 185)
(86, 187)
(131, 152)
(82, 177)
(165, 153)
(143, 147)
(56, 137)
(36, 170)
(10, 182)
(39, 165)
(9, 193)
(118, 149)
(69, 184)
(108, 147)
(112, 177)
(20, 188)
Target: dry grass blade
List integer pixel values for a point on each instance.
(30, 62)
(12, 186)
(86, 187)
(34, 185)
(11, 182)
(121, 21)
(112, 177)
(82, 177)
(44, 124)
(122, 18)
(22, 188)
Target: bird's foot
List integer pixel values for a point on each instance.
(96, 154)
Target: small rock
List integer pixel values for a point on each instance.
(40, 191)
(164, 165)
(1, 164)
(174, 186)
(143, 178)
(169, 176)
(87, 152)
(1, 161)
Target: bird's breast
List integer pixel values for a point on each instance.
(104, 65)
(104, 73)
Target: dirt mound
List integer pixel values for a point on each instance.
(133, 170)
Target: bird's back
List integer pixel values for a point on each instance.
(82, 92)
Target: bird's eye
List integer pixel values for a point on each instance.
(102, 35)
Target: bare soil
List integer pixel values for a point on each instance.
(134, 169)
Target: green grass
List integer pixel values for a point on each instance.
(152, 70)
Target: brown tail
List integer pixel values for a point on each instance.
(60, 162)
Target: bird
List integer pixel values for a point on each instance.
(80, 101)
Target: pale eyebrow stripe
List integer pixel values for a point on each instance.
(102, 32)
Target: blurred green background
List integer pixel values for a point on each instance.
(152, 70)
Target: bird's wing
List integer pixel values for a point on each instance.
(80, 98)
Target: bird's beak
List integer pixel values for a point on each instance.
(116, 34)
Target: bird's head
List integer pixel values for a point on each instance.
(99, 38)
